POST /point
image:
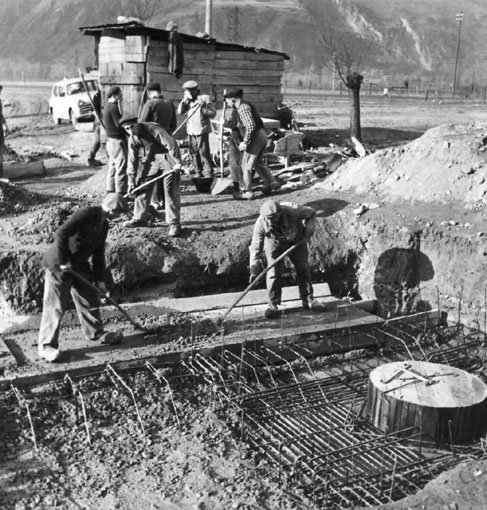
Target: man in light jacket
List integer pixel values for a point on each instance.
(279, 226)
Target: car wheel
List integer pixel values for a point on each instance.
(56, 120)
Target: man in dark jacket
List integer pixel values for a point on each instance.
(116, 143)
(280, 226)
(79, 244)
(160, 110)
(152, 152)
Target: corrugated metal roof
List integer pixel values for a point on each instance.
(134, 28)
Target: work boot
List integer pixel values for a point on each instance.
(248, 195)
(135, 222)
(267, 189)
(49, 353)
(272, 312)
(94, 162)
(174, 230)
(314, 305)
(237, 195)
(111, 337)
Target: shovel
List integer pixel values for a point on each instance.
(104, 295)
(257, 279)
(221, 184)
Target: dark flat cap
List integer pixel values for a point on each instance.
(127, 119)
(231, 93)
(153, 85)
(113, 91)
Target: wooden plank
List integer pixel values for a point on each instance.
(127, 79)
(226, 63)
(240, 74)
(249, 55)
(334, 331)
(195, 55)
(188, 47)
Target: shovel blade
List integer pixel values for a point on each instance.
(221, 185)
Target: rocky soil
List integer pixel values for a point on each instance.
(405, 224)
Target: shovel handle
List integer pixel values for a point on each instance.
(258, 278)
(91, 99)
(185, 121)
(107, 296)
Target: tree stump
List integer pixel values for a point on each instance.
(434, 402)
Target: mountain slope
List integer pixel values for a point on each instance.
(396, 40)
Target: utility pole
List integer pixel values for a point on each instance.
(209, 8)
(459, 18)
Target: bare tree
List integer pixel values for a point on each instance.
(345, 59)
(142, 9)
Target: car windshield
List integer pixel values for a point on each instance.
(76, 88)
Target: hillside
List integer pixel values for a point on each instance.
(397, 40)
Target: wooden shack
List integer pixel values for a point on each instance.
(130, 55)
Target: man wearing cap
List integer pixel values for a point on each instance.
(198, 126)
(252, 138)
(279, 226)
(116, 143)
(79, 245)
(160, 110)
(152, 152)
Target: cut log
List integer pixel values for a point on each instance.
(436, 403)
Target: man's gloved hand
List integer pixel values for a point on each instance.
(187, 96)
(177, 167)
(242, 146)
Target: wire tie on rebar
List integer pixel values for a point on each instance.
(77, 393)
(116, 378)
(158, 375)
(23, 402)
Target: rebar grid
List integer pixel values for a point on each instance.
(309, 423)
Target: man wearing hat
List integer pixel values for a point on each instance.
(79, 245)
(198, 126)
(152, 152)
(252, 140)
(279, 226)
(116, 143)
(160, 110)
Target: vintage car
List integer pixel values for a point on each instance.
(70, 101)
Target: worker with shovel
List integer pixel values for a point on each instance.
(77, 254)
(160, 110)
(153, 152)
(198, 127)
(252, 143)
(281, 227)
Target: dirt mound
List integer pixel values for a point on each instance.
(15, 199)
(447, 163)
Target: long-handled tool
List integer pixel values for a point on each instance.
(144, 185)
(221, 184)
(106, 296)
(97, 113)
(258, 278)
(185, 121)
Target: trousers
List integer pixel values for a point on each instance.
(171, 183)
(117, 166)
(252, 159)
(199, 148)
(57, 289)
(299, 257)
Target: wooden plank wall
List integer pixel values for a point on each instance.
(122, 62)
(133, 61)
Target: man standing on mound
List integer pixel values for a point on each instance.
(280, 226)
(79, 246)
